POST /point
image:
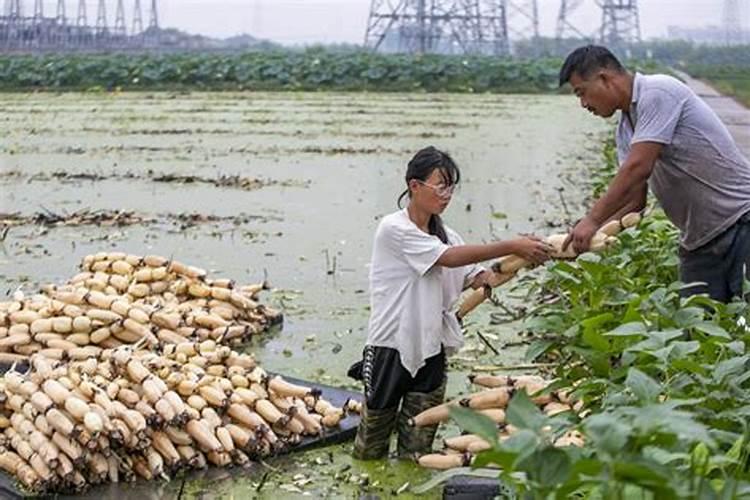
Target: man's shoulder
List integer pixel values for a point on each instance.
(658, 83)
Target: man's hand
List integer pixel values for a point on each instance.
(581, 235)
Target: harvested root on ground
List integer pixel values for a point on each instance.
(492, 401)
(123, 413)
(121, 299)
(506, 267)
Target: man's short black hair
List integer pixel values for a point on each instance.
(586, 60)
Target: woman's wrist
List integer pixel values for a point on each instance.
(511, 247)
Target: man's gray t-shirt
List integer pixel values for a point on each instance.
(701, 178)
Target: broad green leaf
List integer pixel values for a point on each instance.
(644, 387)
(663, 353)
(497, 457)
(664, 457)
(587, 466)
(608, 433)
(737, 347)
(688, 317)
(548, 467)
(537, 348)
(595, 340)
(663, 418)
(598, 320)
(475, 423)
(567, 276)
(628, 330)
(641, 473)
(700, 458)
(736, 450)
(730, 367)
(713, 330)
(656, 340)
(523, 413)
(520, 444)
(666, 335)
(682, 348)
(689, 366)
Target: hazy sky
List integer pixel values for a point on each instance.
(305, 21)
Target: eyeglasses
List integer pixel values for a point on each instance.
(441, 191)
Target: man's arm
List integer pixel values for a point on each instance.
(629, 181)
(626, 192)
(636, 204)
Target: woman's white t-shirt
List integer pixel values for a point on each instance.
(411, 299)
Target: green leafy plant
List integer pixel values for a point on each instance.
(311, 69)
(664, 380)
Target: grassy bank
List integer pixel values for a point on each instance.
(729, 80)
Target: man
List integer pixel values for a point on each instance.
(670, 140)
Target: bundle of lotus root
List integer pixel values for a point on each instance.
(505, 269)
(492, 402)
(124, 413)
(122, 299)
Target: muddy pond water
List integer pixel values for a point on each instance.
(329, 166)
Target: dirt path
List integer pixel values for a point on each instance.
(734, 115)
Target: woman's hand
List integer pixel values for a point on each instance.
(532, 249)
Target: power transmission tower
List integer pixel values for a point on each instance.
(733, 22)
(38, 33)
(523, 18)
(82, 29)
(565, 27)
(61, 19)
(14, 34)
(120, 30)
(137, 19)
(152, 36)
(14, 10)
(153, 21)
(621, 25)
(81, 20)
(61, 24)
(101, 19)
(438, 26)
(38, 12)
(523, 23)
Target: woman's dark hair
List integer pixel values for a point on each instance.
(420, 168)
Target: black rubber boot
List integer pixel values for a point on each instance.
(374, 433)
(417, 440)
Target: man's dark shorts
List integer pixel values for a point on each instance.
(722, 263)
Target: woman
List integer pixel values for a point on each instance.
(419, 268)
